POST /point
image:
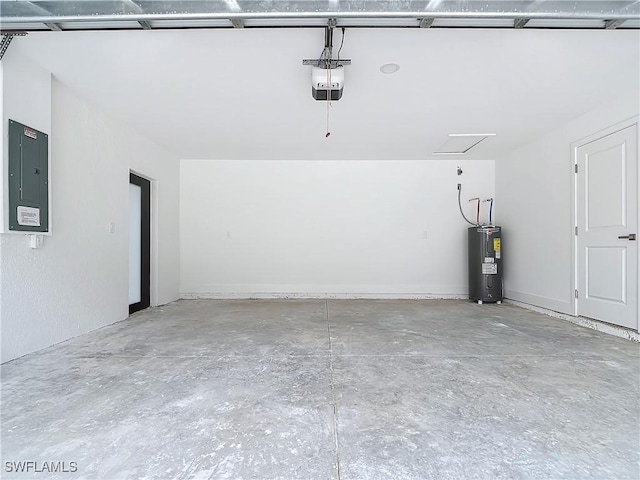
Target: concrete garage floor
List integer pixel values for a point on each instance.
(314, 389)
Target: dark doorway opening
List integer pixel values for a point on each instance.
(139, 243)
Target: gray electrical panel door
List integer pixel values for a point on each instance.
(28, 179)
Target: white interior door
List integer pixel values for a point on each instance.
(135, 249)
(607, 220)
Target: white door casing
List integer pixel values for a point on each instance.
(135, 235)
(606, 210)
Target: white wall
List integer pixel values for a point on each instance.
(78, 281)
(533, 186)
(26, 98)
(2, 187)
(326, 227)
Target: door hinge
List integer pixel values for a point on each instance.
(576, 168)
(575, 293)
(576, 230)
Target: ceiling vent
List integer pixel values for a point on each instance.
(461, 143)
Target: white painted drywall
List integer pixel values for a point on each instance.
(533, 186)
(2, 189)
(26, 95)
(78, 280)
(326, 227)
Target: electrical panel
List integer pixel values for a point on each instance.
(28, 179)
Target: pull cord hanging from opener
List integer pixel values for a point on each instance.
(329, 78)
(328, 95)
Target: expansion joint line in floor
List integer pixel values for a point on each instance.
(333, 393)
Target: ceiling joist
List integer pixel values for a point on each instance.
(426, 22)
(54, 26)
(24, 14)
(612, 24)
(520, 22)
(42, 11)
(135, 8)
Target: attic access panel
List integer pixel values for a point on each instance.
(28, 179)
(273, 13)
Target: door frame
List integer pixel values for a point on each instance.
(630, 122)
(145, 242)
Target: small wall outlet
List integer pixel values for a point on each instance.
(112, 227)
(36, 241)
(425, 235)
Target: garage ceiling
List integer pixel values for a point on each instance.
(244, 93)
(152, 14)
(197, 77)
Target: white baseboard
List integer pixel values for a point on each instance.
(551, 304)
(581, 321)
(322, 296)
(323, 291)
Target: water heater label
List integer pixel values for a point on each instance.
(496, 244)
(489, 259)
(489, 268)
